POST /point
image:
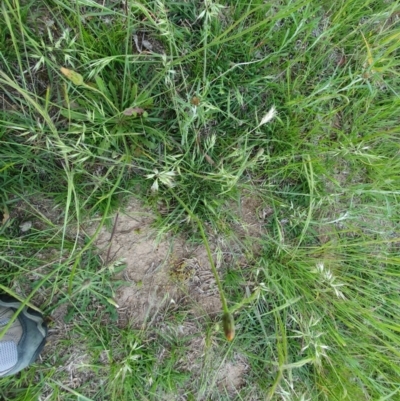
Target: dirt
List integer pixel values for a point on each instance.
(251, 214)
(157, 272)
(231, 374)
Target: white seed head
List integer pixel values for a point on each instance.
(269, 116)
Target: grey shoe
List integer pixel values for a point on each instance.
(23, 341)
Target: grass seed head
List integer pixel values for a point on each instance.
(229, 326)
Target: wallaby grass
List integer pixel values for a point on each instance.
(327, 167)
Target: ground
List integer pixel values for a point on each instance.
(160, 272)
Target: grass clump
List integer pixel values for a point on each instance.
(169, 105)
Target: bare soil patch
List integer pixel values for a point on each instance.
(157, 272)
(231, 374)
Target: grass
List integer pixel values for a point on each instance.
(179, 118)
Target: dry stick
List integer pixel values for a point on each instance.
(227, 319)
